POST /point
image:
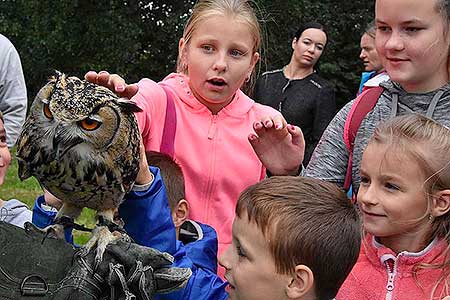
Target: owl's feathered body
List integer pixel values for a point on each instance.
(81, 142)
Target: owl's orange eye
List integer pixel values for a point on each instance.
(47, 111)
(89, 124)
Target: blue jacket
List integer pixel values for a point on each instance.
(148, 220)
(365, 76)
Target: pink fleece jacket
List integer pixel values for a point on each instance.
(217, 160)
(381, 274)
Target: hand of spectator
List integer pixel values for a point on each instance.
(113, 82)
(279, 146)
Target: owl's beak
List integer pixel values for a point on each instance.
(61, 144)
(23, 170)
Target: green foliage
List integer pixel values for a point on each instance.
(139, 39)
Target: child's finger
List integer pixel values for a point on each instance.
(267, 122)
(253, 139)
(117, 83)
(130, 90)
(91, 76)
(297, 135)
(279, 122)
(258, 126)
(103, 78)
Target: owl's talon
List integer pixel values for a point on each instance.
(45, 236)
(101, 237)
(53, 231)
(83, 252)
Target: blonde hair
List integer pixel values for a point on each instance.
(428, 142)
(237, 9)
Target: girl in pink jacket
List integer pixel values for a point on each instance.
(200, 115)
(404, 199)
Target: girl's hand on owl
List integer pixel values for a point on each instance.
(113, 82)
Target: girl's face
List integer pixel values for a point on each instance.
(309, 46)
(412, 43)
(5, 156)
(219, 58)
(392, 199)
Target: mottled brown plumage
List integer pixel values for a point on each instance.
(81, 142)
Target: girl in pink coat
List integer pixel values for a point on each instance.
(211, 117)
(404, 199)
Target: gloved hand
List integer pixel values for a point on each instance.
(129, 270)
(142, 271)
(32, 267)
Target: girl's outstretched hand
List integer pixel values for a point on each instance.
(113, 82)
(279, 146)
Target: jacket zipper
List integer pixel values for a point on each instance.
(391, 278)
(212, 127)
(209, 185)
(280, 104)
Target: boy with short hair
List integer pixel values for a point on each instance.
(195, 246)
(174, 182)
(293, 238)
(200, 240)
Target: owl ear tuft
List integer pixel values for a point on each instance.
(57, 76)
(129, 105)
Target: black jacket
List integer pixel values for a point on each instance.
(308, 103)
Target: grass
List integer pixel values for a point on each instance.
(27, 191)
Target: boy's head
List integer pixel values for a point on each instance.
(293, 238)
(174, 182)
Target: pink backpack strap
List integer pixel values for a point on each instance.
(364, 103)
(170, 124)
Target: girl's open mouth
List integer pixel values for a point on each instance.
(217, 82)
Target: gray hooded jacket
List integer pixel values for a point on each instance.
(15, 212)
(330, 158)
(13, 92)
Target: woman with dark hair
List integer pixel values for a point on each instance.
(303, 97)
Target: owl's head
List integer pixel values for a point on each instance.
(76, 113)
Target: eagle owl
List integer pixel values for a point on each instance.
(81, 142)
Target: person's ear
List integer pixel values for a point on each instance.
(294, 43)
(181, 45)
(255, 59)
(301, 283)
(181, 213)
(441, 203)
(182, 48)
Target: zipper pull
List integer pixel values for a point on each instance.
(390, 283)
(212, 128)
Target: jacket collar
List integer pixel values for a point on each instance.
(179, 83)
(377, 253)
